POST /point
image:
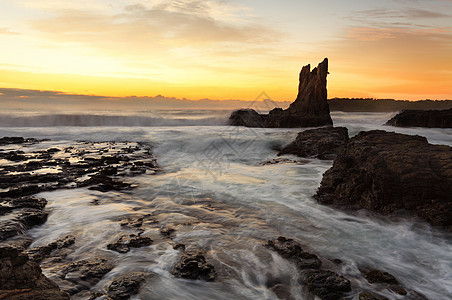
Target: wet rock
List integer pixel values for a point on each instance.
(39, 253)
(15, 140)
(310, 109)
(423, 118)
(84, 273)
(27, 294)
(104, 183)
(323, 143)
(326, 284)
(126, 285)
(96, 160)
(126, 242)
(194, 266)
(388, 281)
(367, 295)
(20, 214)
(387, 172)
(13, 155)
(179, 247)
(281, 160)
(166, 232)
(21, 278)
(9, 204)
(377, 276)
(290, 249)
(90, 295)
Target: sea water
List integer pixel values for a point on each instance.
(215, 190)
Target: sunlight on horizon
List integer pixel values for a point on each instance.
(226, 49)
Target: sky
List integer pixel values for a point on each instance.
(227, 49)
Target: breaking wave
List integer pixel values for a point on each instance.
(87, 120)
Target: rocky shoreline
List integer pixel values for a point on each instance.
(77, 165)
(28, 167)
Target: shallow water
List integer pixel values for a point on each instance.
(217, 195)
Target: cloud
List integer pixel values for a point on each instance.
(148, 30)
(407, 13)
(376, 34)
(414, 13)
(7, 31)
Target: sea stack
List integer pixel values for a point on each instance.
(310, 109)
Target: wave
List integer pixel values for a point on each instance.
(87, 120)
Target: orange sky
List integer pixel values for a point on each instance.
(227, 49)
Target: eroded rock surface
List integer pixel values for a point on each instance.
(193, 265)
(387, 172)
(423, 118)
(83, 274)
(126, 242)
(327, 284)
(323, 143)
(100, 166)
(19, 214)
(290, 249)
(21, 278)
(127, 285)
(310, 108)
(37, 254)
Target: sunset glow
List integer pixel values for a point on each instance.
(227, 49)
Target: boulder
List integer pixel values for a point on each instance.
(388, 172)
(310, 108)
(40, 253)
(21, 278)
(19, 214)
(125, 242)
(126, 285)
(194, 266)
(290, 249)
(83, 274)
(327, 284)
(323, 143)
(423, 118)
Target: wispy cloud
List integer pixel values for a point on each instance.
(376, 34)
(139, 28)
(5, 30)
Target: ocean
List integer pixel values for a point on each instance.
(217, 192)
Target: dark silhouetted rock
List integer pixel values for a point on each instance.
(387, 172)
(323, 143)
(290, 249)
(194, 266)
(310, 109)
(423, 118)
(327, 284)
(126, 242)
(126, 285)
(8, 140)
(21, 278)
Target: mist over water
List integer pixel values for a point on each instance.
(213, 179)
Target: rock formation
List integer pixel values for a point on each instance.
(21, 278)
(423, 118)
(387, 172)
(310, 109)
(323, 143)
